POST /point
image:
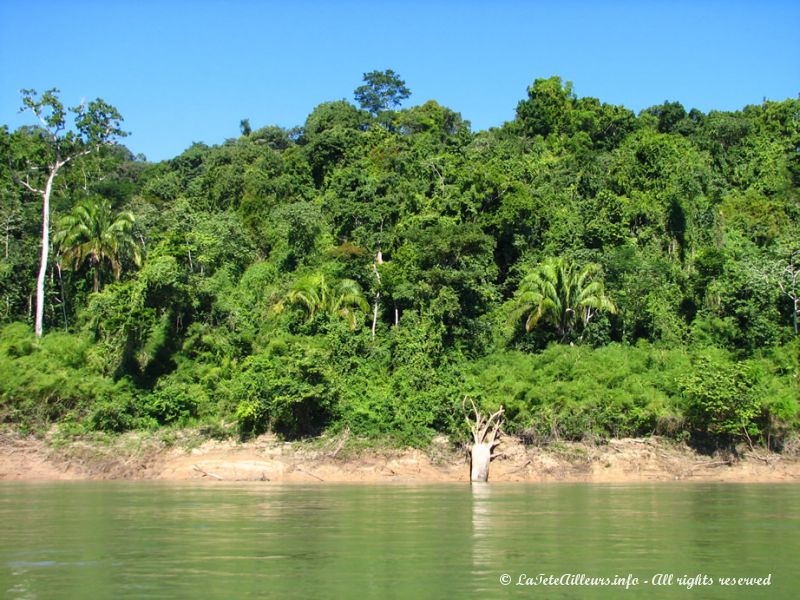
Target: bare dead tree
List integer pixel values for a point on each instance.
(485, 430)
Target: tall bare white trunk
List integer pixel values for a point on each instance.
(375, 313)
(378, 261)
(39, 323)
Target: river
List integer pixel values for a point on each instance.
(124, 540)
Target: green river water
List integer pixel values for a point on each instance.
(122, 540)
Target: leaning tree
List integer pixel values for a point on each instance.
(54, 146)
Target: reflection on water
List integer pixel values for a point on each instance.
(483, 561)
(483, 546)
(148, 540)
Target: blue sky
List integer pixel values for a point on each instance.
(190, 71)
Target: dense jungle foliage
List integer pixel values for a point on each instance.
(597, 272)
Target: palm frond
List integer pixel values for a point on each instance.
(92, 234)
(559, 293)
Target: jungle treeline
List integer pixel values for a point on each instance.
(597, 272)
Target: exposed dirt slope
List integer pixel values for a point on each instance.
(135, 456)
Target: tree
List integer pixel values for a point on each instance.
(331, 132)
(382, 90)
(548, 108)
(315, 295)
(558, 293)
(93, 234)
(96, 124)
(244, 127)
(668, 114)
(332, 115)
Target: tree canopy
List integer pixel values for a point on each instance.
(594, 271)
(382, 90)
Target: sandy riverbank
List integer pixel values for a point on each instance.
(187, 456)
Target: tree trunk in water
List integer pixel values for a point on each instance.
(480, 456)
(484, 437)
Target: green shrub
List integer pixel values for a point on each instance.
(172, 403)
(719, 396)
(44, 380)
(756, 398)
(286, 388)
(574, 391)
(117, 410)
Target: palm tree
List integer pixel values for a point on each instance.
(314, 294)
(92, 234)
(559, 294)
